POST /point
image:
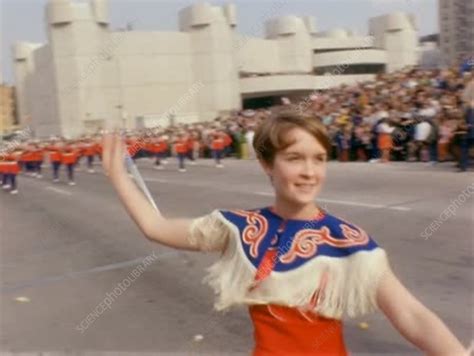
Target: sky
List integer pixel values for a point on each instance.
(23, 20)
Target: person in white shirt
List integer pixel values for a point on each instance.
(422, 132)
(249, 139)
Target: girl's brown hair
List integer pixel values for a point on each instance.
(270, 136)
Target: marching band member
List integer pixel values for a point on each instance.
(190, 142)
(157, 150)
(55, 159)
(27, 158)
(217, 147)
(3, 171)
(89, 151)
(38, 157)
(10, 170)
(69, 159)
(181, 149)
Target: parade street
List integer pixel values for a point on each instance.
(65, 249)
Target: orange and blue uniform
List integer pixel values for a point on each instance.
(37, 157)
(55, 159)
(190, 143)
(157, 148)
(181, 149)
(9, 168)
(69, 158)
(98, 149)
(217, 147)
(134, 146)
(89, 151)
(27, 160)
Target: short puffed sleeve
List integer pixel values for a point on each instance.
(209, 232)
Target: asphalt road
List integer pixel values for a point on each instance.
(65, 249)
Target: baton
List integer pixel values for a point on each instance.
(137, 177)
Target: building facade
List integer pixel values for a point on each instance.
(87, 75)
(456, 24)
(7, 109)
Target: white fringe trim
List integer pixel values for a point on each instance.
(209, 233)
(350, 289)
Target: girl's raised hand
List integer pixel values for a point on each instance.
(113, 155)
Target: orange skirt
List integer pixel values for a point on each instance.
(443, 151)
(385, 141)
(283, 331)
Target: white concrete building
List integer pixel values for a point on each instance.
(87, 74)
(456, 24)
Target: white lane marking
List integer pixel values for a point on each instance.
(51, 279)
(270, 194)
(267, 194)
(350, 203)
(156, 180)
(60, 191)
(399, 208)
(365, 205)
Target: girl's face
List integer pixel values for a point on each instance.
(299, 170)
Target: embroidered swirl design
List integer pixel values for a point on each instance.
(305, 243)
(356, 236)
(256, 229)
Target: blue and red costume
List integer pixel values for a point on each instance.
(298, 277)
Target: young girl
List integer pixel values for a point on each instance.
(299, 269)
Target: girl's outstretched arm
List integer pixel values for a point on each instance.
(414, 321)
(170, 232)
